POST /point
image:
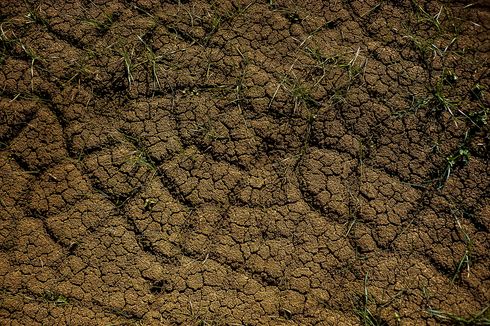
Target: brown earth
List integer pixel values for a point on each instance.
(244, 162)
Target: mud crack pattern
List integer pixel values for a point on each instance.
(244, 162)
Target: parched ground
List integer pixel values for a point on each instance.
(244, 162)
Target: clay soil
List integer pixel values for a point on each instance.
(244, 162)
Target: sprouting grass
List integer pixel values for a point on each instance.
(140, 156)
(82, 68)
(8, 39)
(439, 98)
(464, 261)
(320, 57)
(363, 312)
(425, 17)
(153, 61)
(373, 9)
(440, 31)
(214, 24)
(299, 91)
(462, 156)
(33, 57)
(481, 318)
(417, 102)
(477, 91)
(466, 257)
(34, 18)
(304, 106)
(302, 95)
(422, 46)
(322, 62)
(441, 101)
(5, 43)
(56, 298)
(239, 86)
(4, 37)
(479, 118)
(128, 64)
(79, 69)
(426, 46)
(351, 67)
(214, 21)
(101, 26)
(448, 77)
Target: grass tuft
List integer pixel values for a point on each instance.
(102, 26)
(153, 61)
(466, 257)
(56, 298)
(363, 312)
(128, 65)
(461, 157)
(424, 17)
(480, 319)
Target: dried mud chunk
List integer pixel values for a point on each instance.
(270, 246)
(361, 114)
(58, 187)
(328, 131)
(70, 227)
(82, 24)
(268, 300)
(469, 184)
(118, 171)
(14, 116)
(12, 9)
(8, 219)
(107, 252)
(267, 186)
(214, 225)
(249, 245)
(439, 237)
(292, 303)
(218, 290)
(41, 143)
(13, 184)
(153, 124)
(386, 203)
(326, 175)
(50, 312)
(200, 179)
(454, 240)
(482, 215)
(231, 137)
(408, 145)
(35, 255)
(16, 77)
(13, 181)
(89, 133)
(364, 238)
(48, 46)
(163, 221)
(409, 276)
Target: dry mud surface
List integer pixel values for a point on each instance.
(244, 162)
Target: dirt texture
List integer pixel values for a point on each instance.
(244, 162)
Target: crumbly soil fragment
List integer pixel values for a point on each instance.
(244, 162)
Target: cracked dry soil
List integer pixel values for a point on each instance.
(244, 162)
